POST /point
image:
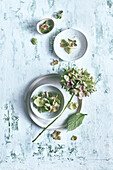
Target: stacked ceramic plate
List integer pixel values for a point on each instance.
(50, 83)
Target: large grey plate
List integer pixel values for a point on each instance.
(78, 51)
(53, 79)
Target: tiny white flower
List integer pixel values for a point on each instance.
(66, 77)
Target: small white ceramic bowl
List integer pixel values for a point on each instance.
(41, 22)
(78, 51)
(52, 89)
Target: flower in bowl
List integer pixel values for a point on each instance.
(47, 101)
(45, 26)
(68, 45)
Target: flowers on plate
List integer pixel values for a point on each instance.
(79, 83)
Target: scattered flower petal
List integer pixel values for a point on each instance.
(55, 135)
(55, 62)
(81, 87)
(74, 138)
(44, 26)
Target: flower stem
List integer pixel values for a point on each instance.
(54, 119)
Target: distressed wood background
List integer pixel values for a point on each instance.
(21, 63)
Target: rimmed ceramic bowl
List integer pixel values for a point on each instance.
(41, 22)
(77, 51)
(52, 89)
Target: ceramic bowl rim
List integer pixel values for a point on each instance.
(62, 98)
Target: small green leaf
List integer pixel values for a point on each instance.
(34, 41)
(59, 15)
(74, 121)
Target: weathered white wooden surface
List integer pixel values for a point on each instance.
(21, 63)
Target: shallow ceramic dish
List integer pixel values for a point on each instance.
(42, 22)
(78, 51)
(52, 89)
(54, 80)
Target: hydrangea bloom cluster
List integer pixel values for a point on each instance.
(79, 82)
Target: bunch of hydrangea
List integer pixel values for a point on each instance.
(79, 82)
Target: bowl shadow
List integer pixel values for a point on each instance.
(23, 102)
(31, 26)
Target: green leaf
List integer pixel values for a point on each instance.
(59, 15)
(34, 41)
(74, 121)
